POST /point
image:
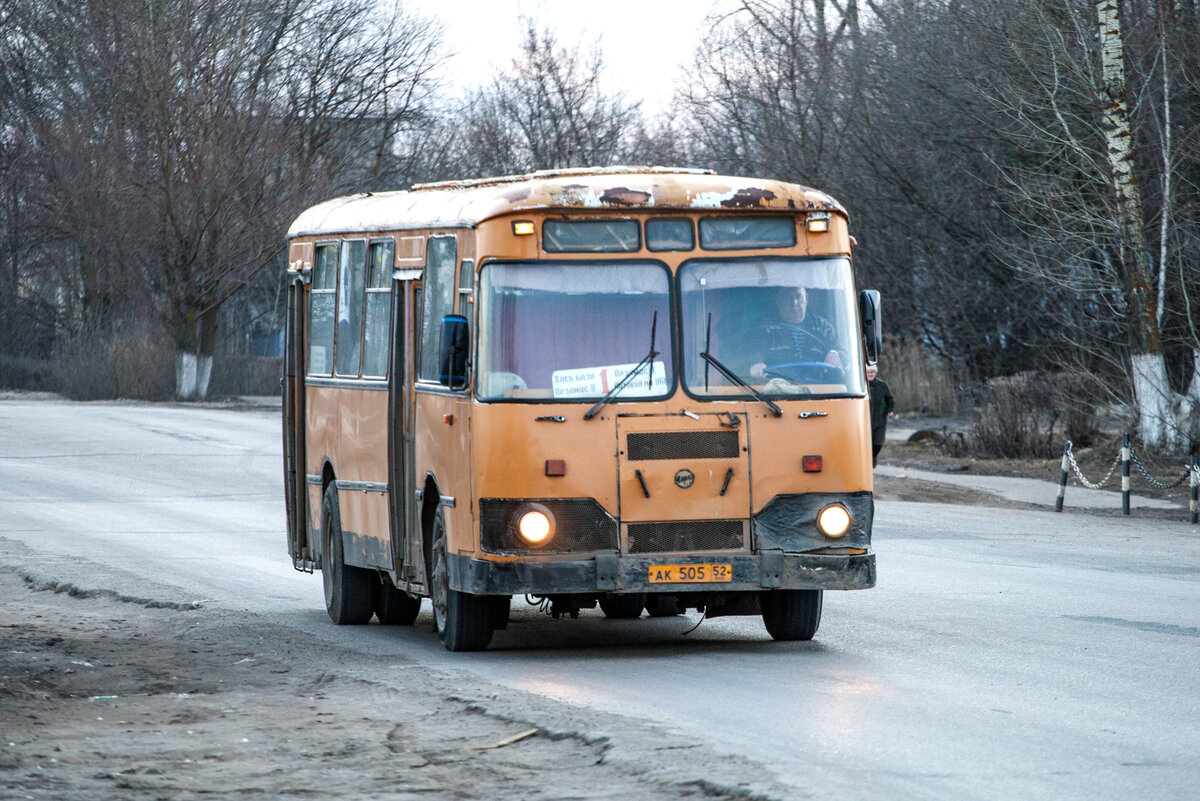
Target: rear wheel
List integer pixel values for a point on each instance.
(395, 607)
(463, 622)
(623, 607)
(350, 592)
(662, 605)
(791, 614)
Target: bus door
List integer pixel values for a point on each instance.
(402, 510)
(294, 415)
(685, 481)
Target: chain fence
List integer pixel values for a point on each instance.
(1127, 456)
(1079, 473)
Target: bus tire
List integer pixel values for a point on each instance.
(463, 622)
(623, 607)
(350, 592)
(662, 605)
(395, 607)
(791, 614)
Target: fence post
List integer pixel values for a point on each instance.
(1195, 504)
(1062, 478)
(1126, 452)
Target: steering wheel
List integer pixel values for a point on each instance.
(806, 372)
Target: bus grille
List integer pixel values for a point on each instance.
(580, 524)
(683, 445)
(686, 535)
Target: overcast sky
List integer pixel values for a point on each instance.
(645, 43)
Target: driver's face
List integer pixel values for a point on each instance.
(793, 304)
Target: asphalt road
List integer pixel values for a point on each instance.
(1004, 654)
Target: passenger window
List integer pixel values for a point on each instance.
(377, 322)
(670, 235)
(348, 344)
(320, 314)
(440, 260)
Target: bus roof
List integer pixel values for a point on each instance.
(464, 204)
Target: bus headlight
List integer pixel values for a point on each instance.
(833, 520)
(534, 526)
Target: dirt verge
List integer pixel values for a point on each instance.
(104, 696)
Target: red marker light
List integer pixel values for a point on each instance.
(556, 467)
(813, 464)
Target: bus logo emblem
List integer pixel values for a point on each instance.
(684, 478)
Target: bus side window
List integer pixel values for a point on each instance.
(320, 313)
(377, 320)
(348, 342)
(439, 291)
(466, 285)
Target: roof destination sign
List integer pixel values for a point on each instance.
(590, 382)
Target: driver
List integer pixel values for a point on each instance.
(796, 336)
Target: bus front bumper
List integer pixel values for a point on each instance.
(612, 573)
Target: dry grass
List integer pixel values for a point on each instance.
(125, 360)
(921, 382)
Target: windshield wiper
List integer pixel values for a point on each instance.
(608, 396)
(725, 371)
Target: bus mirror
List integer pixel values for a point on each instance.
(456, 344)
(872, 330)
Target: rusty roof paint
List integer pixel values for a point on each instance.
(467, 203)
(624, 196)
(749, 197)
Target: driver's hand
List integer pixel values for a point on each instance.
(834, 358)
(757, 370)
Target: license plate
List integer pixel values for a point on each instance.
(690, 574)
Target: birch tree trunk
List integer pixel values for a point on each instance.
(1157, 425)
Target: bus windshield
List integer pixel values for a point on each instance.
(574, 331)
(786, 327)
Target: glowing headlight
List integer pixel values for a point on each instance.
(534, 527)
(834, 520)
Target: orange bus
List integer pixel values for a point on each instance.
(640, 388)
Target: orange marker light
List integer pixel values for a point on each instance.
(448, 419)
(522, 227)
(818, 225)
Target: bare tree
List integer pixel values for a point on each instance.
(173, 141)
(549, 110)
(1072, 180)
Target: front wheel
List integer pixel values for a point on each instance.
(463, 622)
(350, 592)
(791, 614)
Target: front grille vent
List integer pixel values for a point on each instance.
(683, 445)
(580, 525)
(686, 536)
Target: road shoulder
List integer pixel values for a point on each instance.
(106, 692)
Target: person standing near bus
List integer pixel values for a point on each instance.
(882, 409)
